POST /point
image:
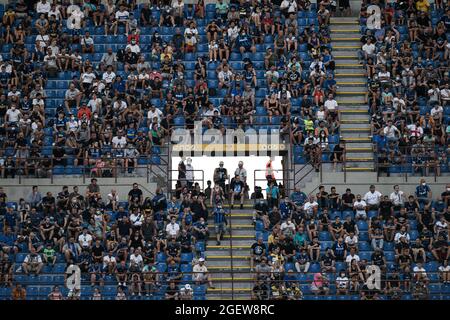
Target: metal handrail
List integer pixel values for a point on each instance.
(171, 179)
(404, 164)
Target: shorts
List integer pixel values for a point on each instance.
(220, 227)
(362, 214)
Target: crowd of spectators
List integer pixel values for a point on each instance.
(171, 67)
(406, 61)
(326, 244)
(141, 244)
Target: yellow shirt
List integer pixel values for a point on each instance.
(423, 5)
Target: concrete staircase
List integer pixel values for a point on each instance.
(352, 83)
(229, 262)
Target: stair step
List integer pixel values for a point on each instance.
(358, 149)
(225, 257)
(345, 38)
(351, 83)
(354, 111)
(354, 121)
(349, 65)
(228, 247)
(356, 126)
(353, 129)
(354, 74)
(352, 93)
(335, 29)
(359, 169)
(358, 159)
(346, 47)
(356, 139)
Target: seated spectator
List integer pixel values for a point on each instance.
(32, 263)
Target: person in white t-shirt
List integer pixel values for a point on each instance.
(372, 198)
(119, 141)
(109, 263)
(85, 239)
(401, 234)
(173, 228)
(437, 112)
(154, 112)
(87, 78)
(136, 260)
(342, 283)
(13, 114)
(133, 46)
(109, 75)
(122, 17)
(200, 273)
(420, 274)
(311, 207)
(351, 240)
(352, 256)
(397, 198)
(43, 6)
(367, 51)
(331, 104)
(360, 206)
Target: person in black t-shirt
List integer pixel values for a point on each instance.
(288, 250)
(322, 197)
(348, 198)
(172, 291)
(135, 193)
(173, 250)
(386, 209)
(378, 259)
(333, 199)
(97, 251)
(327, 262)
(258, 250)
(336, 228)
(350, 226)
(412, 206)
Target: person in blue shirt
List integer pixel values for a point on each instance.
(273, 194)
(11, 218)
(285, 209)
(220, 222)
(185, 217)
(330, 85)
(245, 43)
(424, 194)
(131, 133)
(119, 87)
(173, 207)
(8, 241)
(159, 201)
(298, 198)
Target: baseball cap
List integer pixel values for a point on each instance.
(187, 286)
(201, 259)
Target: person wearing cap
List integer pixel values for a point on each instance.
(200, 273)
(186, 292)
